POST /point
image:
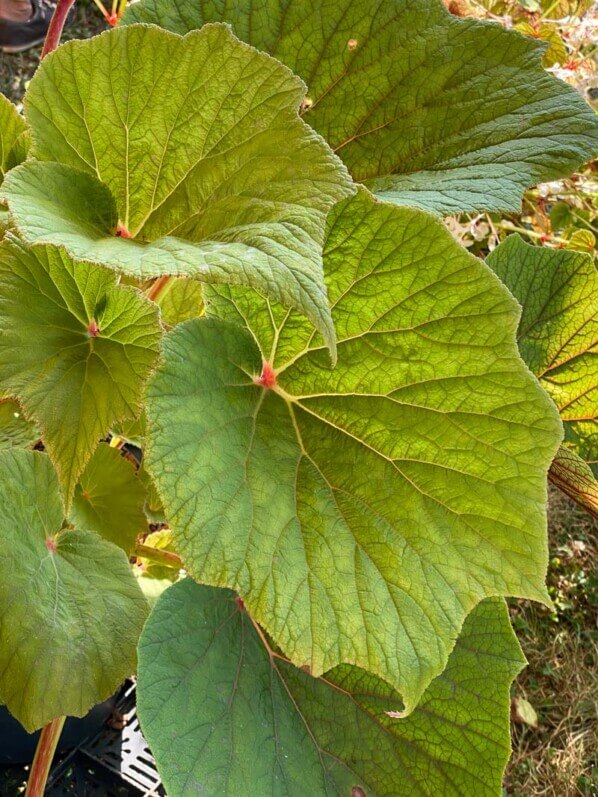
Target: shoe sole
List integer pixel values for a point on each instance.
(20, 48)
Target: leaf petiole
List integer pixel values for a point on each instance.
(167, 558)
(44, 754)
(158, 287)
(61, 12)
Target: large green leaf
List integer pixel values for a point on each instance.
(204, 160)
(558, 331)
(258, 725)
(360, 512)
(13, 137)
(71, 610)
(110, 498)
(75, 348)
(427, 109)
(15, 430)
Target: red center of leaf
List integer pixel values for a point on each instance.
(121, 231)
(268, 377)
(240, 603)
(93, 328)
(50, 544)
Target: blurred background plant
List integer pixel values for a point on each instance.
(555, 700)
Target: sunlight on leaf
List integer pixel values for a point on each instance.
(189, 159)
(13, 137)
(558, 331)
(448, 114)
(575, 478)
(360, 512)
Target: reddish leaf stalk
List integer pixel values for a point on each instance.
(158, 287)
(159, 556)
(57, 26)
(44, 753)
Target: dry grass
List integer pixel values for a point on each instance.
(560, 757)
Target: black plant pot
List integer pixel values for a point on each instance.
(18, 747)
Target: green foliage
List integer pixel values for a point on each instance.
(154, 577)
(75, 348)
(575, 478)
(13, 137)
(110, 499)
(182, 252)
(268, 728)
(427, 109)
(181, 300)
(558, 330)
(15, 430)
(360, 512)
(70, 608)
(203, 159)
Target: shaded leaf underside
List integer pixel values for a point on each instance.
(427, 109)
(268, 728)
(361, 512)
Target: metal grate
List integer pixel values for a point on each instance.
(116, 762)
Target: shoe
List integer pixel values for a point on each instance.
(18, 36)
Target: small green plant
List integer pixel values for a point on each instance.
(247, 276)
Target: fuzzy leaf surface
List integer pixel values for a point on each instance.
(360, 512)
(268, 728)
(71, 610)
(558, 331)
(203, 158)
(74, 384)
(427, 109)
(110, 498)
